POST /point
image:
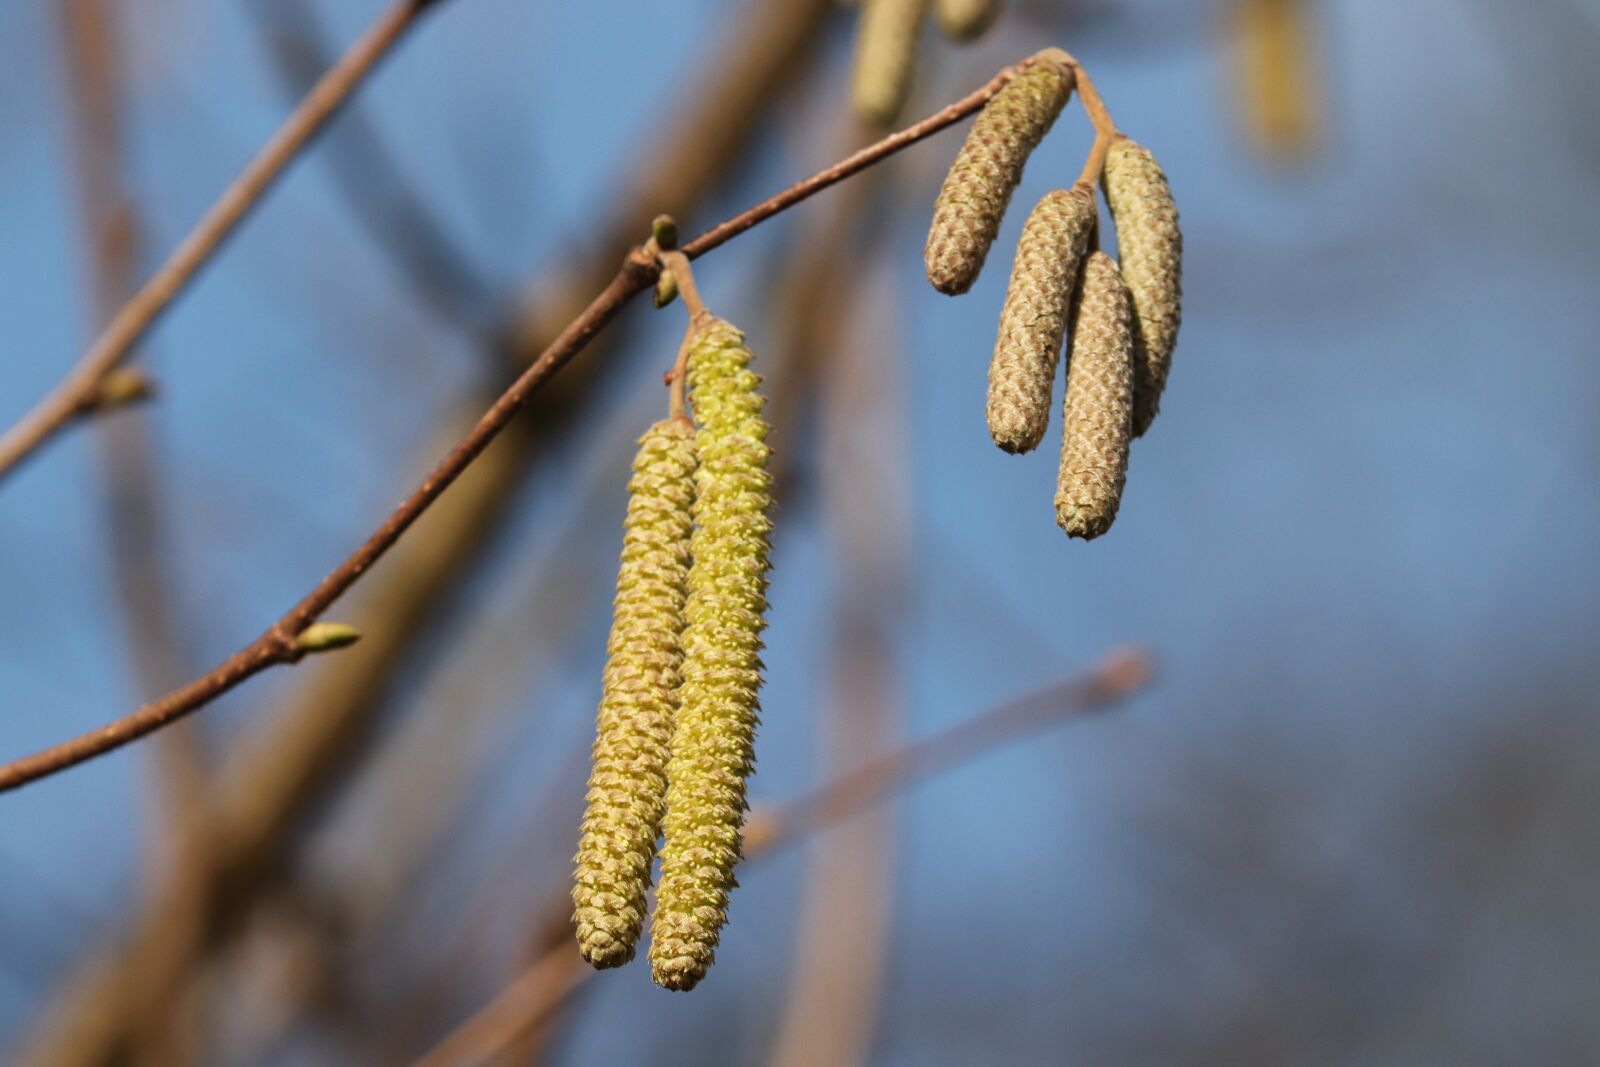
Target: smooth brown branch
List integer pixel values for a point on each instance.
(637, 274)
(538, 991)
(73, 396)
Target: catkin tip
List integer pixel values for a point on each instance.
(973, 198)
(966, 20)
(886, 51)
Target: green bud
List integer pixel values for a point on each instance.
(326, 636)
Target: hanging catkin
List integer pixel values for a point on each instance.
(1151, 248)
(966, 20)
(712, 741)
(1096, 422)
(966, 216)
(886, 53)
(627, 787)
(1033, 321)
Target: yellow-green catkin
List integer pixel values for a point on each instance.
(1150, 245)
(628, 786)
(713, 739)
(886, 54)
(1097, 422)
(966, 20)
(966, 216)
(1033, 321)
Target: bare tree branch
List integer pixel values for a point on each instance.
(77, 393)
(279, 643)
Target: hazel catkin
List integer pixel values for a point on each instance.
(886, 53)
(1150, 245)
(966, 216)
(966, 20)
(627, 786)
(1097, 417)
(1033, 321)
(712, 749)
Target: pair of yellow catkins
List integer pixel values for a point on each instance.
(676, 725)
(677, 718)
(1123, 321)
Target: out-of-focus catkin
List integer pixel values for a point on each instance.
(712, 750)
(627, 786)
(966, 20)
(966, 216)
(1033, 321)
(1151, 248)
(886, 54)
(1097, 421)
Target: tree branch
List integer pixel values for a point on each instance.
(637, 274)
(75, 394)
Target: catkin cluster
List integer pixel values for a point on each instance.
(712, 750)
(966, 216)
(1120, 322)
(628, 786)
(676, 726)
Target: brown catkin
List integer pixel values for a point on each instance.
(713, 739)
(966, 20)
(966, 216)
(1033, 321)
(627, 786)
(1151, 248)
(1097, 420)
(886, 53)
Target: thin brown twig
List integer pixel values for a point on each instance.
(536, 992)
(677, 264)
(73, 396)
(639, 270)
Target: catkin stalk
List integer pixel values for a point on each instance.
(1097, 420)
(886, 54)
(627, 786)
(1033, 321)
(1151, 248)
(966, 20)
(712, 749)
(966, 216)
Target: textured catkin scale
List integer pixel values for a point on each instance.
(627, 787)
(1033, 321)
(1151, 248)
(886, 53)
(966, 216)
(1097, 422)
(712, 750)
(966, 20)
